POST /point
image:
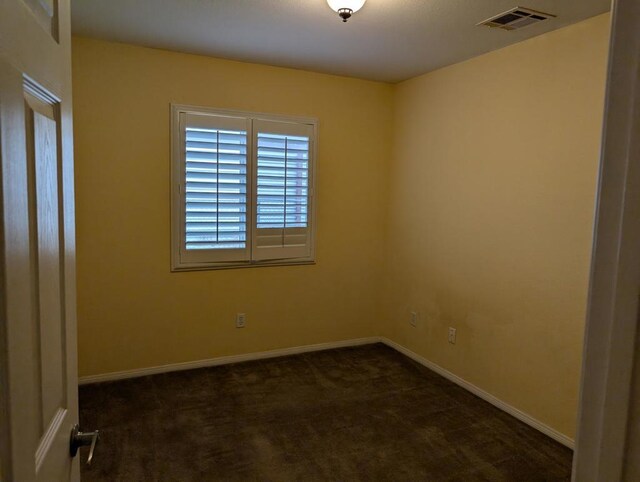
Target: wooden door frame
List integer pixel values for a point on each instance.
(612, 313)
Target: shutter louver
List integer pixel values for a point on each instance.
(282, 190)
(242, 189)
(215, 189)
(283, 181)
(215, 186)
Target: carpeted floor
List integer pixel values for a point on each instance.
(364, 413)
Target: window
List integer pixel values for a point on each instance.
(242, 189)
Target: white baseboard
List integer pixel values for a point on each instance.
(505, 407)
(224, 360)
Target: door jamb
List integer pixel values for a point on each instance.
(612, 311)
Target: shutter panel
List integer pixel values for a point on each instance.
(214, 193)
(283, 190)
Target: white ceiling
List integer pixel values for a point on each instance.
(388, 40)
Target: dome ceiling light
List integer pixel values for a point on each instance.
(346, 8)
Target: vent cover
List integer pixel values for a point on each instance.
(516, 18)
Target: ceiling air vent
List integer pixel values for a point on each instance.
(516, 18)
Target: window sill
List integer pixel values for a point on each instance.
(218, 266)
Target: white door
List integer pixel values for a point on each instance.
(38, 375)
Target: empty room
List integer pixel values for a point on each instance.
(332, 240)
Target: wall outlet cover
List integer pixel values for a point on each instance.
(241, 320)
(452, 335)
(413, 321)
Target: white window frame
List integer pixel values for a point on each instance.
(183, 261)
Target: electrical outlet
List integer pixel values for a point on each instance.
(452, 336)
(241, 319)
(413, 321)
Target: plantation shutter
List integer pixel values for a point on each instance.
(283, 190)
(214, 196)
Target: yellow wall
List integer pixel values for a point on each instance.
(491, 204)
(465, 194)
(132, 311)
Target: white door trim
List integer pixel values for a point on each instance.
(612, 313)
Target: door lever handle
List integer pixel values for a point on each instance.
(82, 439)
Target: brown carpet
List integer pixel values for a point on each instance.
(364, 413)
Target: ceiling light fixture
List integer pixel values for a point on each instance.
(346, 8)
